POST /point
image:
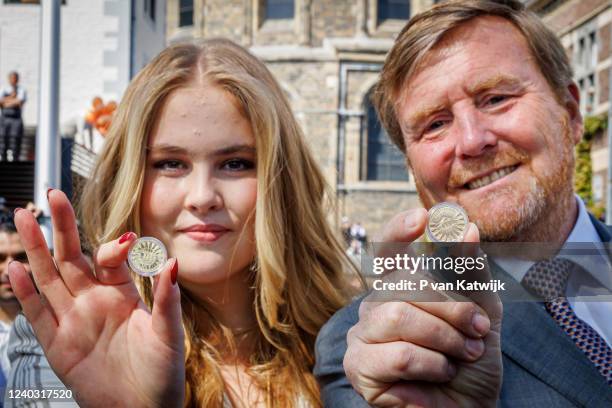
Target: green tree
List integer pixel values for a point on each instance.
(583, 176)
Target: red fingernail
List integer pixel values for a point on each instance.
(48, 191)
(126, 237)
(15, 210)
(174, 272)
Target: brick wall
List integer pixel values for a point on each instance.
(306, 55)
(571, 13)
(333, 19)
(604, 85)
(604, 42)
(375, 209)
(224, 18)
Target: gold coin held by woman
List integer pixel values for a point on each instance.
(448, 222)
(147, 256)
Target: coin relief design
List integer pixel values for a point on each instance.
(147, 256)
(447, 223)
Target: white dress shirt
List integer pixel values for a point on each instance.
(20, 92)
(5, 365)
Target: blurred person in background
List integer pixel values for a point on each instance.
(358, 233)
(99, 116)
(91, 117)
(5, 214)
(345, 229)
(10, 250)
(12, 99)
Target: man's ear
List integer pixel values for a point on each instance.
(572, 105)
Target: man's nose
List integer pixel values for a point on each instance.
(4, 264)
(473, 135)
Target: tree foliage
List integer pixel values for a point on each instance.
(583, 176)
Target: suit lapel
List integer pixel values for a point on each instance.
(533, 340)
(603, 230)
(604, 234)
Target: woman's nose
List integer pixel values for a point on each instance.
(203, 195)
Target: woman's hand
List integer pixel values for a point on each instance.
(98, 335)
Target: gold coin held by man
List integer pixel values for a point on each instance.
(448, 222)
(147, 256)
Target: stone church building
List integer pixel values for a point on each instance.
(327, 56)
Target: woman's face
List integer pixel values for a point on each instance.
(200, 185)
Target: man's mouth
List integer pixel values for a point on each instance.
(490, 178)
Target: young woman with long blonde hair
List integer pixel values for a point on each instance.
(205, 155)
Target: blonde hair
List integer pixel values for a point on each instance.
(425, 30)
(299, 266)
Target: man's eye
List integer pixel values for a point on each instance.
(21, 257)
(496, 99)
(238, 165)
(433, 126)
(169, 165)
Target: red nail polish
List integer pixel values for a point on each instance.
(48, 191)
(15, 210)
(126, 237)
(174, 272)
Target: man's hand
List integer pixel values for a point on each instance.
(431, 354)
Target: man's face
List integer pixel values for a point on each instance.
(10, 250)
(482, 128)
(13, 79)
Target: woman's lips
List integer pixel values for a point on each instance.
(205, 236)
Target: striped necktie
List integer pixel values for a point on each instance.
(548, 279)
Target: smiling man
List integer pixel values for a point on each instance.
(482, 127)
(480, 98)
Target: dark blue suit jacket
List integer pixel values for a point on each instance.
(542, 366)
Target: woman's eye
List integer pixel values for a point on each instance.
(238, 165)
(169, 165)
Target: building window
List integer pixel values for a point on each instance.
(384, 161)
(149, 9)
(27, 2)
(585, 64)
(185, 13)
(279, 9)
(598, 188)
(393, 10)
(587, 51)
